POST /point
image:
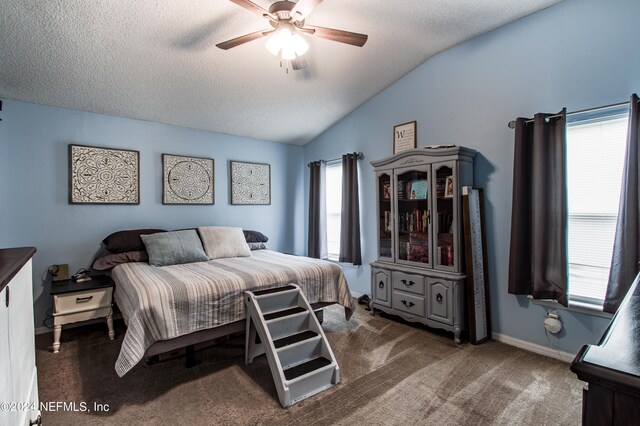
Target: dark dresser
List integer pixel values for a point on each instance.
(611, 369)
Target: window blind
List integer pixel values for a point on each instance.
(595, 158)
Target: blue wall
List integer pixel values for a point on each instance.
(34, 190)
(578, 54)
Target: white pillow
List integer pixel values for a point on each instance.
(221, 241)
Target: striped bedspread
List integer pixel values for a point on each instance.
(160, 303)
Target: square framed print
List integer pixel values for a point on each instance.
(404, 137)
(250, 183)
(103, 175)
(187, 180)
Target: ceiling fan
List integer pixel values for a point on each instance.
(287, 20)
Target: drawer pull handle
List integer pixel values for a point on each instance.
(83, 299)
(439, 298)
(408, 304)
(408, 284)
(381, 284)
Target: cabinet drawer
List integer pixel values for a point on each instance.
(83, 300)
(380, 286)
(408, 282)
(440, 300)
(408, 303)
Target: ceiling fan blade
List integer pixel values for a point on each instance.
(225, 45)
(255, 8)
(303, 8)
(347, 37)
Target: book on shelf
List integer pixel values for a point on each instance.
(418, 253)
(413, 189)
(440, 186)
(419, 189)
(414, 221)
(402, 190)
(445, 255)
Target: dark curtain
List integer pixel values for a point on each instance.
(350, 220)
(626, 246)
(317, 245)
(538, 255)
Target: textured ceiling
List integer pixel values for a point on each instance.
(156, 60)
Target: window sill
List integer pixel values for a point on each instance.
(582, 308)
(336, 261)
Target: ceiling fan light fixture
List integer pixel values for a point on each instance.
(288, 52)
(300, 45)
(274, 43)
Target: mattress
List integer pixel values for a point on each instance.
(161, 303)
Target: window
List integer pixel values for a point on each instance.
(334, 208)
(596, 143)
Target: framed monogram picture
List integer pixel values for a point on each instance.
(187, 180)
(250, 183)
(103, 175)
(404, 137)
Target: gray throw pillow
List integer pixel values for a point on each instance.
(172, 248)
(221, 242)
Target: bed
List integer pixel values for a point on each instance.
(170, 306)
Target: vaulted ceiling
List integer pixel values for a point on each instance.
(157, 60)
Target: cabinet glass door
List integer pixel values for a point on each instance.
(385, 218)
(445, 219)
(413, 215)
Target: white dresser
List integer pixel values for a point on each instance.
(18, 376)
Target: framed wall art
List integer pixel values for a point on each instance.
(187, 180)
(103, 175)
(250, 183)
(448, 187)
(404, 137)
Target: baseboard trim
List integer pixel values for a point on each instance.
(43, 330)
(534, 347)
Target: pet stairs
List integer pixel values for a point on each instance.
(281, 323)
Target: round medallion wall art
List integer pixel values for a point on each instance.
(103, 175)
(187, 180)
(250, 183)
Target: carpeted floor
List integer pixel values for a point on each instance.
(392, 374)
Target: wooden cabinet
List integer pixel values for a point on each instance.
(418, 208)
(611, 368)
(19, 384)
(381, 286)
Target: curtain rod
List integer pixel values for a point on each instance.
(512, 123)
(360, 157)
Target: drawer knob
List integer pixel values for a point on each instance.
(408, 304)
(83, 299)
(439, 298)
(381, 284)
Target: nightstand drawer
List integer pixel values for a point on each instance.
(80, 301)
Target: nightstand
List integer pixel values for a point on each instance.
(73, 302)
